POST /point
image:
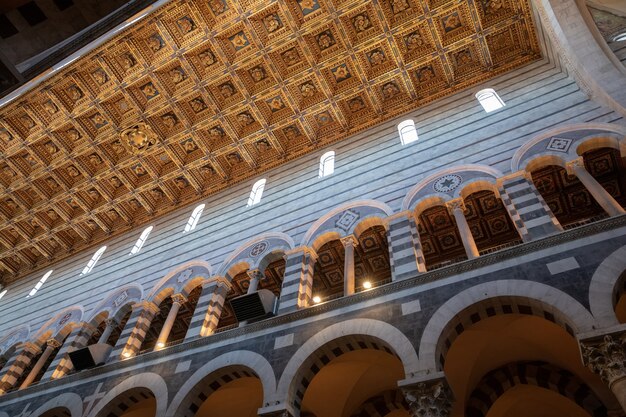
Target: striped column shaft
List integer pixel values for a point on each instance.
(200, 313)
(78, 339)
(297, 289)
(15, 367)
(134, 332)
(528, 210)
(405, 250)
(214, 309)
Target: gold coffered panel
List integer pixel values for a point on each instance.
(204, 94)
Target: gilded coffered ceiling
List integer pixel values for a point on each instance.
(203, 94)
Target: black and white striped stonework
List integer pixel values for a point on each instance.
(325, 355)
(209, 384)
(539, 374)
(405, 250)
(297, 290)
(61, 364)
(135, 330)
(490, 308)
(120, 404)
(381, 405)
(15, 367)
(529, 211)
(208, 310)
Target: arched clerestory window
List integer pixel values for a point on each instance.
(92, 262)
(37, 286)
(193, 220)
(327, 164)
(407, 131)
(142, 239)
(257, 192)
(489, 99)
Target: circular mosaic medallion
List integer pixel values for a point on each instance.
(258, 249)
(447, 183)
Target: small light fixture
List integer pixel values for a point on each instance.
(367, 285)
(160, 345)
(489, 99)
(126, 354)
(317, 299)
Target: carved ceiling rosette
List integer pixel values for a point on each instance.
(138, 138)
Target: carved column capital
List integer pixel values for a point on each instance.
(456, 204)
(53, 343)
(606, 357)
(178, 299)
(111, 322)
(429, 398)
(255, 273)
(575, 164)
(349, 241)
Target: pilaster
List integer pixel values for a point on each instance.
(405, 249)
(528, 210)
(134, 332)
(297, 289)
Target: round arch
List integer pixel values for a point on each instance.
(241, 358)
(543, 145)
(342, 220)
(68, 400)
(148, 380)
(571, 311)
(253, 251)
(462, 176)
(496, 383)
(182, 279)
(60, 324)
(385, 332)
(115, 301)
(14, 336)
(602, 287)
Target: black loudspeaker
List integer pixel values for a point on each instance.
(257, 305)
(90, 356)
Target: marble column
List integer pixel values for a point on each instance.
(51, 345)
(110, 325)
(349, 242)
(255, 277)
(177, 301)
(432, 398)
(607, 358)
(456, 207)
(602, 197)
